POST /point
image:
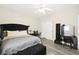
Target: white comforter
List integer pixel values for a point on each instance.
(13, 45)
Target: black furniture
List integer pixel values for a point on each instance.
(14, 27)
(0, 47)
(75, 42)
(11, 27)
(58, 35)
(38, 49)
(35, 33)
(72, 40)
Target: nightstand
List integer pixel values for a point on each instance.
(35, 34)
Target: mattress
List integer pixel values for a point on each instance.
(13, 45)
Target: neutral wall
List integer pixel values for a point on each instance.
(47, 27)
(65, 14)
(77, 26)
(11, 15)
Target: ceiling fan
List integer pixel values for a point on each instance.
(43, 9)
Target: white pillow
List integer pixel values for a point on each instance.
(16, 33)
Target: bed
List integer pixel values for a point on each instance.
(20, 45)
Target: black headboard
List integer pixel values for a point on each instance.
(12, 27)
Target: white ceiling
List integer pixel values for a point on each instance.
(32, 9)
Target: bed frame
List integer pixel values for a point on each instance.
(38, 49)
(14, 27)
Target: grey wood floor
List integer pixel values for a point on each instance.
(55, 49)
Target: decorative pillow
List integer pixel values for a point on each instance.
(16, 33)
